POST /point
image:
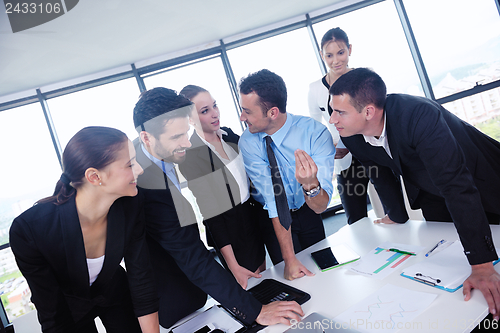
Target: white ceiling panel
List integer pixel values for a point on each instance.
(100, 35)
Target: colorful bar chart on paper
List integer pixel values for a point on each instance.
(380, 262)
(392, 259)
(400, 261)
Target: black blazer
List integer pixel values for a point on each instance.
(438, 153)
(184, 269)
(48, 245)
(208, 178)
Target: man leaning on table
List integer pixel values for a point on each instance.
(451, 170)
(185, 271)
(290, 162)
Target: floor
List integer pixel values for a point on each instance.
(333, 222)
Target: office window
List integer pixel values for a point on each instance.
(378, 42)
(108, 105)
(29, 165)
(30, 171)
(14, 290)
(290, 55)
(208, 74)
(459, 41)
(481, 110)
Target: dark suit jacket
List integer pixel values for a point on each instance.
(207, 177)
(438, 153)
(184, 269)
(47, 242)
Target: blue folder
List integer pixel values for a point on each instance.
(446, 270)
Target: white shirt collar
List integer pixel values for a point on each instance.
(382, 139)
(219, 133)
(373, 140)
(167, 167)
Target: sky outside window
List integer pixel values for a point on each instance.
(459, 41)
(109, 105)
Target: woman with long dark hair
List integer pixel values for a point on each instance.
(69, 246)
(216, 175)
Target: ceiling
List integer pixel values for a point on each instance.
(96, 36)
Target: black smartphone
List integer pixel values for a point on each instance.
(325, 259)
(329, 258)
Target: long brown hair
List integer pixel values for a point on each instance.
(191, 91)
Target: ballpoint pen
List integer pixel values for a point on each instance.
(442, 247)
(442, 241)
(402, 252)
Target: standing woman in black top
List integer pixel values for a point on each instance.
(216, 176)
(69, 246)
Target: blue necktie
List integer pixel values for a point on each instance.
(278, 188)
(172, 175)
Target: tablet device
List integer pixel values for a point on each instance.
(329, 258)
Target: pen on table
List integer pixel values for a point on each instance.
(435, 247)
(402, 252)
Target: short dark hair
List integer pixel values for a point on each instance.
(334, 34)
(159, 105)
(190, 91)
(270, 88)
(91, 147)
(364, 87)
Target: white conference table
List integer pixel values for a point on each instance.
(334, 291)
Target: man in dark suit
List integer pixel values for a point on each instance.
(184, 269)
(451, 170)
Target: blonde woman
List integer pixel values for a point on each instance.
(217, 177)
